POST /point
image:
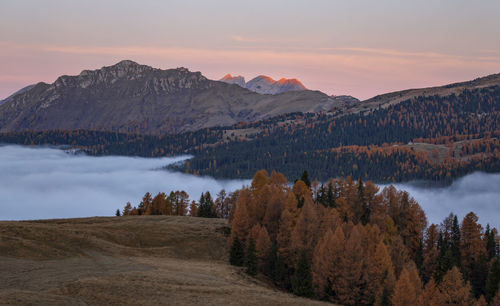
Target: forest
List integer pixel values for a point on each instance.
(348, 242)
(374, 144)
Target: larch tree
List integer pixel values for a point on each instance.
(274, 209)
(453, 290)
(430, 294)
(350, 281)
(127, 209)
(193, 209)
(379, 277)
(240, 227)
(496, 299)
(263, 244)
(301, 192)
(328, 256)
(259, 180)
(284, 234)
(471, 243)
(305, 233)
(405, 292)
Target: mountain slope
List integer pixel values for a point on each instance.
(20, 91)
(129, 97)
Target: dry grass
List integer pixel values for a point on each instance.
(125, 261)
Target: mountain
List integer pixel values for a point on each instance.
(129, 97)
(238, 80)
(20, 91)
(265, 85)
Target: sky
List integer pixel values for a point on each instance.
(359, 48)
(42, 183)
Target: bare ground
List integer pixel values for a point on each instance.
(146, 260)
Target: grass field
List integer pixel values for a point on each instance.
(136, 260)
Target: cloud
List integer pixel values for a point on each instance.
(42, 183)
(477, 192)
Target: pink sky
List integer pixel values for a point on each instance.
(331, 46)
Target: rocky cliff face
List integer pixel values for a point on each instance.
(129, 97)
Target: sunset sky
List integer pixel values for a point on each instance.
(360, 48)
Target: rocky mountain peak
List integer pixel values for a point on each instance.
(238, 80)
(264, 84)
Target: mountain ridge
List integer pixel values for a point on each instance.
(129, 97)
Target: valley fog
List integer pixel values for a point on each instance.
(44, 183)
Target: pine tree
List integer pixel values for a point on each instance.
(302, 278)
(493, 281)
(237, 254)
(489, 236)
(273, 266)
(118, 213)
(251, 258)
(305, 178)
(207, 207)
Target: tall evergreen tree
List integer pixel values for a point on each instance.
(237, 253)
(305, 178)
(251, 258)
(489, 236)
(207, 207)
(493, 281)
(302, 279)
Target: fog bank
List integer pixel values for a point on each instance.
(44, 183)
(477, 192)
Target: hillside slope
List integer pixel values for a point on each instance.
(147, 260)
(128, 97)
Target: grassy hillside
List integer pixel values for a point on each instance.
(147, 260)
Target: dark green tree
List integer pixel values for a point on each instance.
(251, 258)
(237, 253)
(455, 243)
(207, 206)
(305, 178)
(478, 275)
(273, 266)
(493, 280)
(118, 213)
(302, 279)
(489, 235)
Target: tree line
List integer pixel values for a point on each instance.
(177, 204)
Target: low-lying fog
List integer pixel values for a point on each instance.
(41, 183)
